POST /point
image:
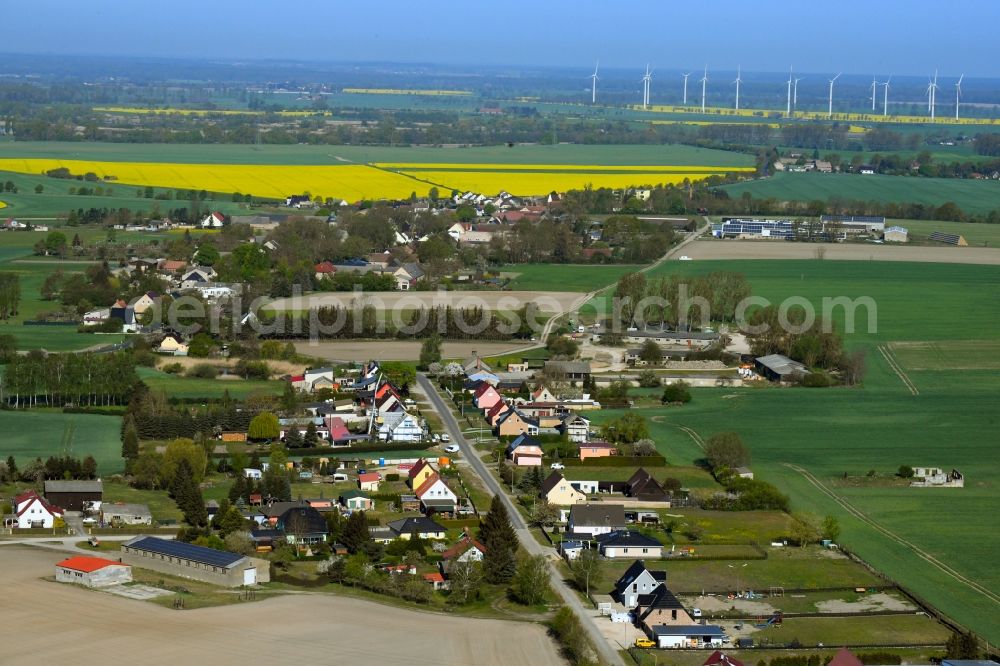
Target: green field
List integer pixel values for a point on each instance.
(974, 234)
(29, 434)
(638, 155)
(191, 387)
(972, 196)
(565, 277)
(952, 422)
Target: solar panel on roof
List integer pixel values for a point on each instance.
(187, 551)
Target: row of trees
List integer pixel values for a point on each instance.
(10, 295)
(677, 300)
(60, 379)
(55, 467)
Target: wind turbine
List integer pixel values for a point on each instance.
(885, 99)
(958, 94)
(830, 107)
(795, 93)
(932, 95)
(646, 79)
(593, 83)
(686, 87)
(874, 84)
(704, 81)
(788, 105)
(737, 82)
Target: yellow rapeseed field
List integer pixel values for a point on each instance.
(2, 205)
(354, 182)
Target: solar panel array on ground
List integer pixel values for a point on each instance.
(950, 239)
(186, 551)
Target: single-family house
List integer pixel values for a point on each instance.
(407, 276)
(543, 394)
(495, 412)
(369, 481)
(93, 571)
(144, 302)
(486, 396)
(252, 473)
(597, 450)
(31, 510)
(124, 312)
(324, 269)
(525, 451)
(637, 581)
(172, 344)
(466, 550)
(420, 472)
(417, 526)
(213, 221)
(435, 496)
(303, 524)
(512, 423)
(197, 277)
(660, 607)
(356, 500)
(575, 427)
(595, 519)
(557, 491)
(629, 543)
(400, 427)
(436, 580)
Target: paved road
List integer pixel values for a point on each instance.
(606, 654)
(68, 543)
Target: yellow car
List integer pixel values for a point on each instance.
(644, 643)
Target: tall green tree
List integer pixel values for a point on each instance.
(264, 426)
(185, 491)
(498, 536)
(430, 351)
(356, 533)
(130, 440)
(531, 582)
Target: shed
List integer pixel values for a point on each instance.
(126, 514)
(71, 495)
(779, 368)
(93, 571)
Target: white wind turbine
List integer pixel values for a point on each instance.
(704, 82)
(874, 85)
(646, 80)
(788, 105)
(830, 104)
(686, 87)
(932, 95)
(958, 94)
(593, 83)
(795, 93)
(885, 99)
(738, 81)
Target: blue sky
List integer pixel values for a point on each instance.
(904, 37)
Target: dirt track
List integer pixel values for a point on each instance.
(62, 624)
(743, 249)
(547, 301)
(399, 350)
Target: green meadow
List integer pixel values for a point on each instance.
(972, 196)
(43, 433)
(951, 423)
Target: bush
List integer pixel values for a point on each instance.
(203, 371)
(253, 369)
(145, 358)
(905, 471)
(816, 379)
(392, 477)
(676, 393)
(648, 379)
(173, 368)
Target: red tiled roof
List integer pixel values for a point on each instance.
(368, 477)
(434, 577)
(33, 495)
(87, 564)
(465, 544)
(426, 485)
(325, 267)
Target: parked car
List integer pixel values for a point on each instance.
(684, 257)
(451, 448)
(445, 437)
(557, 466)
(644, 643)
(695, 612)
(436, 437)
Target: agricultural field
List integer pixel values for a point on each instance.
(43, 432)
(935, 542)
(192, 387)
(569, 277)
(972, 196)
(358, 173)
(715, 111)
(974, 234)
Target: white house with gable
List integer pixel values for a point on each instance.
(400, 427)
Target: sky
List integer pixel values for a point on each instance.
(853, 36)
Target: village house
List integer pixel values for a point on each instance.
(302, 525)
(466, 550)
(144, 302)
(213, 221)
(559, 492)
(595, 519)
(418, 526)
(629, 543)
(400, 427)
(597, 450)
(512, 423)
(173, 345)
(356, 500)
(525, 451)
(642, 486)
(435, 496)
(324, 269)
(369, 481)
(32, 511)
(576, 427)
(420, 472)
(486, 396)
(93, 571)
(637, 581)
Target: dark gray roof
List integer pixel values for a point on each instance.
(597, 515)
(693, 630)
(634, 571)
(186, 551)
(628, 538)
(569, 367)
(551, 482)
(781, 364)
(74, 487)
(415, 525)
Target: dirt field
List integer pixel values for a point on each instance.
(279, 367)
(399, 350)
(64, 624)
(547, 301)
(744, 249)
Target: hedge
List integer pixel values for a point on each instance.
(102, 411)
(364, 448)
(617, 461)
